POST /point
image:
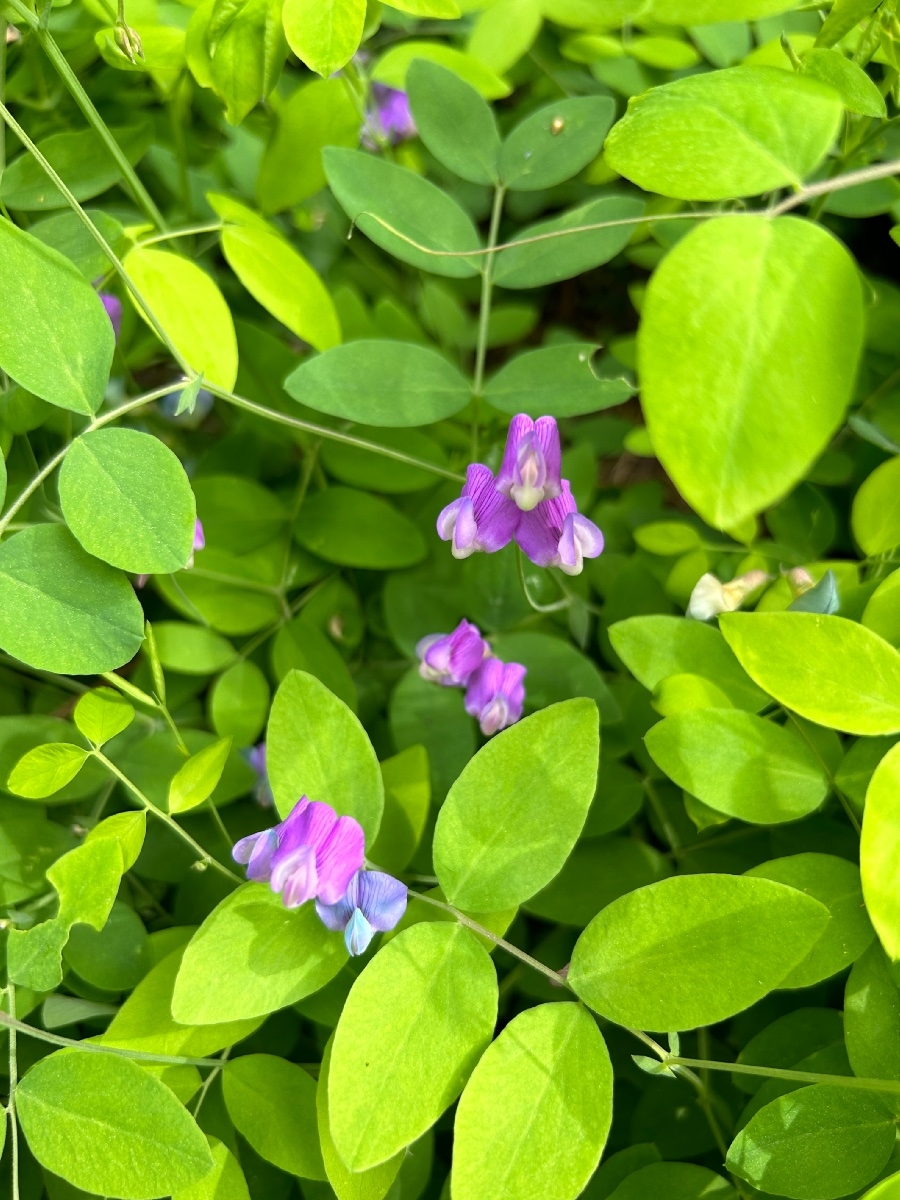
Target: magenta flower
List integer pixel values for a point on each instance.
(313, 852)
(556, 534)
(481, 519)
(530, 471)
(113, 306)
(374, 902)
(450, 658)
(393, 113)
(495, 695)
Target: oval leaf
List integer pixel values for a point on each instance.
(879, 852)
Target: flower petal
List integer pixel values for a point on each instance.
(338, 859)
(358, 934)
(382, 899)
(519, 427)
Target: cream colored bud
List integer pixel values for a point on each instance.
(711, 597)
(799, 580)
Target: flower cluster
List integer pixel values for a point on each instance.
(527, 500)
(314, 854)
(495, 691)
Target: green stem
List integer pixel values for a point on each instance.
(487, 284)
(890, 1086)
(3, 29)
(10, 1020)
(203, 855)
(662, 816)
(14, 1026)
(187, 231)
(82, 99)
(557, 606)
(209, 1080)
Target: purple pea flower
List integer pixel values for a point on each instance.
(262, 792)
(495, 695)
(450, 658)
(481, 519)
(374, 902)
(312, 852)
(393, 114)
(530, 471)
(556, 534)
(113, 306)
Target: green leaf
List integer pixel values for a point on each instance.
(60, 609)
(656, 647)
(534, 1117)
(879, 852)
(844, 16)
(127, 829)
(55, 337)
(405, 384)
(422, 714)
(127, 499)
(725, 134)
(196, 780)
(675, 1181)
(301, 646)
(556, 381)
(282, 281)
(238, 514)
(729, 316)
(834, 882)
(827, 669)
(116, 957)
(239, 703)
(46, 769)
(814, 1144)
(107, 1126)
(454, 122)
(224, 1182)
(876, 509)
(101, 714)
(857, 91)
(82, 161)
(356, 529)
(706, 12)
(555, 143)
(407, 801)
(888, 1189)
(252, 956)
(393, 66)
(739, 764)
(872, 1021)
(556, 671)
(191, 649)
(315, 746)
(495, 844)
(191, 310)
(34, 956)
(439, 9)
(273, 1105)
(693, 950)
(376, 472)
(379, 197)
(413, 1027)
(556, 258)
(324, 34)
(66, 233)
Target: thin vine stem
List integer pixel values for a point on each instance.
(15, 1026)
(890, 1086)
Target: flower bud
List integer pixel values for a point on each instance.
(711, 597)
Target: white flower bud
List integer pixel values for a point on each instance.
(711, 597)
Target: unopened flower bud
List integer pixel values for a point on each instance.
(799, 581)
(711, 597)
(128, 41)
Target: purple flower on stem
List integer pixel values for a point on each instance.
(530, 471)
(495, 695)
(556, 534)
(313, 852)
(450, 658)
(393, 113)
(481, 519)
(374, 902)
(113, 306)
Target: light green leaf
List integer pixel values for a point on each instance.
(857, 91)
(888, 1189)
(127, 499)
(34, 956)
(82, 161)
(116, 957)
(407, 800)
(729, 317)
(191, 649)
(127, 829)
(239, 703)
(724, 134)
(197, 779)
(827, 669)
(252, 956)
(454, 122)
(444, 10)
(393, 66)
(412, 1029)
(238, 514)
(55, 337)
(534, 1117)
(693, 950)
(62, 610)
(405, 384)
(872, 1021)
(109, 1127)
(879, 852)
(45, 770)
(834, 882)
(555, 143)
(191, 310)
(844, 16)
(380, 197)
(495, 844)
(102, 713)
(876, 509)
(556, 381)
(315, 746)
(675, 1181)
(224, 1182)
(816, 1143)
(739, 764)
(282, 281)
(707, 12)
(301, 646)
(273, 1105)
(356, 529)
(65, 232)
(324, 34)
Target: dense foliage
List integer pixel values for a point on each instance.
(368, 827)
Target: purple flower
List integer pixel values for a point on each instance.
(313, 852)
(262, 792)
(530, 471)
(495, 695)
(481, 519)
(113, 306)
(374, 902)
(393, 114)
(555, 534)
(450, 658)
